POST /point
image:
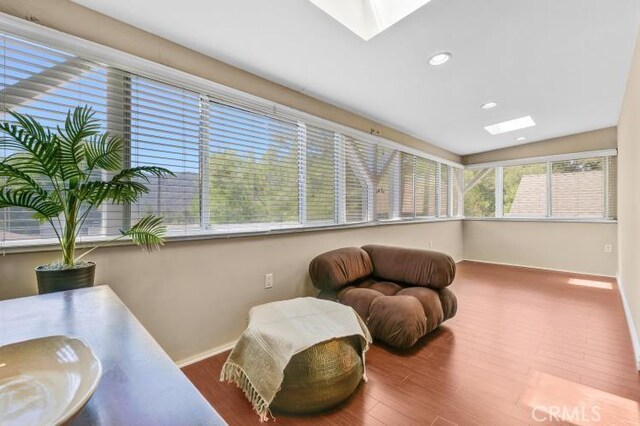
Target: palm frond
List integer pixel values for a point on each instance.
(18, 179)
(79, 125)
(96, 193)
(104, 151)
(31, 126)
(142, 172)
(43, 206)
(148, 233)
(33, 141)
(66, 160)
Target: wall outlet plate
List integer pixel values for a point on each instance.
(608, 248)
(268, 281)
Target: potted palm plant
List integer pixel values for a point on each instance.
(65, 174)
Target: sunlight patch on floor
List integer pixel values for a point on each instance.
(553, 399)
(590, 283)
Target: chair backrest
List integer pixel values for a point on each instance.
(336, 269)
(410, 266)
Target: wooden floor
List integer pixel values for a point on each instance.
(525, 345)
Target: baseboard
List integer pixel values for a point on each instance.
(632, 326)
(206, 354)
(541, 268)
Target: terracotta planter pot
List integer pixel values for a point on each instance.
(65, 279)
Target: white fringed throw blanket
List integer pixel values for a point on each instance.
(276, 332)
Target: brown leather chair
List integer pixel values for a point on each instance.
(400, 293)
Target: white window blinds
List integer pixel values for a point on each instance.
(525, 190)
(324, 168)
(253, 176)
(165, 131)
(425, 187)
(238, 168)
(444, 192)
(584, 188)
(45, 83)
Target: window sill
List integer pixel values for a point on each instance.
(541, 219)
(52, 245)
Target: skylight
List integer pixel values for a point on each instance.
(511, 125)
(368, 18)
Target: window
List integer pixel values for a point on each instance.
(240, 166)
(253, 175)
(457, 192)
(575, 186)
(578, 187)
(525, 190)
(45, 83)
(444, 190)
(322, 175)
(425, 181)
(164, 131)
(480, 192)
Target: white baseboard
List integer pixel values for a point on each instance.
(632, 327)
(206, 354)
(541, 267)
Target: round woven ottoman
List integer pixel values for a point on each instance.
(320, 377)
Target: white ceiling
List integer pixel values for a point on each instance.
(564, 62)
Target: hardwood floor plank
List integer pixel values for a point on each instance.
(521, 337)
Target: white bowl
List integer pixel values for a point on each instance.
(46, 381)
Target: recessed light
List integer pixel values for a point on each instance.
(511, 125)
(439, 58)
(521, 139)
(489, 105)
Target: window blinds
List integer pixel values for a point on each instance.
(237, 168)
(253, 176)
(425, 187)
(165, 131)
(578, 188)
(444, 192)
(525, 190)
(46, 83)
(324, 168)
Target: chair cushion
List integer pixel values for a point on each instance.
(400, 323)
(397, 320)
(449, 303)
(430, 301)
(411, 266)
(335, 269)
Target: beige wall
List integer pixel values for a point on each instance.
(68, 17)
(574, 247)
(629, 193)
(194, 296)
(587, 141)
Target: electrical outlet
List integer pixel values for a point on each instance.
(608, 248)
(430, 244)
(268, 281)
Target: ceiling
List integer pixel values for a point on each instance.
(564, 62)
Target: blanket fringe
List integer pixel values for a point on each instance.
(234, 373)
